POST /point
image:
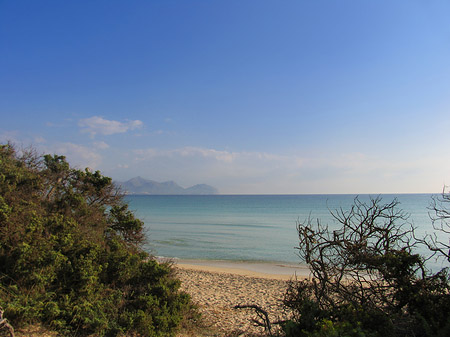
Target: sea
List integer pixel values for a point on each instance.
(250, 228)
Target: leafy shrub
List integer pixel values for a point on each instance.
(366, 278)
(71, 257)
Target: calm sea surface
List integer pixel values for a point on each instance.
(247, 227)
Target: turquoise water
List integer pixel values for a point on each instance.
(246, 227)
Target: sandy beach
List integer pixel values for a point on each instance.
(217, 287)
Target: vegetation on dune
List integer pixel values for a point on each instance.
(71, 257)
(367, 279)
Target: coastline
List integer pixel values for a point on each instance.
(266, 270)
(217, 286)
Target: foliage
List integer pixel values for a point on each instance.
(71, 257)
(440, 217)
(366, 278)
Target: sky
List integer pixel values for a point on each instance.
(249, 96)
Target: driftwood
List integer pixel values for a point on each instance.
(262, 314)
(5, 325)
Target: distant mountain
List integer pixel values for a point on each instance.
(201, 189)
(140, 185)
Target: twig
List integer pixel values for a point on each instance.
(261, 314)
(4, 324)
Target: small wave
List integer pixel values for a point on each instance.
(173, 242)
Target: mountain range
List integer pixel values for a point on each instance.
(139, 185)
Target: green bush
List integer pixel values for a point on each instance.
(366, 278)
(71, 257)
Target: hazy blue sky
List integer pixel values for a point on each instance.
(248, 96)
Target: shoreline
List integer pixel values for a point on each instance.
(216, 290)
(267, 270)
(217, 286)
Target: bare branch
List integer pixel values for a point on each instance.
(262, 314)
(5, 325)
